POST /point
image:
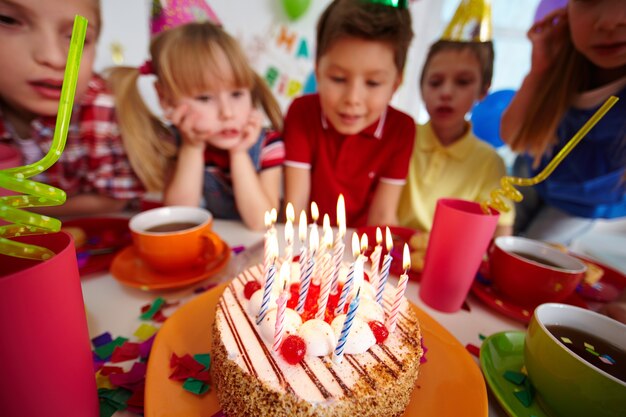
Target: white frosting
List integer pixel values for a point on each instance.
(360, 338)
(254, 306)
(370, 310)
(268, 325)
(319, 337)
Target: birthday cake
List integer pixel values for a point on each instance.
(303, 375)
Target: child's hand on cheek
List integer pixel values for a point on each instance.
(548, 37)
(186, 120)
(250, 132)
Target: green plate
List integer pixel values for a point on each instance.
(503, 352)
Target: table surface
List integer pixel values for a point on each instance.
(115, 308)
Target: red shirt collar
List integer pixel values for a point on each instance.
(375, 130)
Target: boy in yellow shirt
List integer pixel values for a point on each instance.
(448, 160)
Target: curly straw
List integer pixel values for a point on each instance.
(36, 194)
(507, 190)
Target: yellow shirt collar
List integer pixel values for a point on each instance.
(428, 142)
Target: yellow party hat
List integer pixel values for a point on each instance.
(471, 22)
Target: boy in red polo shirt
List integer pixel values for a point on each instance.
(347, 139)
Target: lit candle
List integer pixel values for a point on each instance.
(302, 236)
(305, 283)
(384, 273)
(266, 242)
(347, 286)
(269, 280)
(326, 278)
(339, 246)
(324, 247)
(400, 289)
(279, 328)
(347, 324)
(289, 241)
(375, 258)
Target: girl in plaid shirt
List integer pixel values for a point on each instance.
(211, 95)
(93, 169)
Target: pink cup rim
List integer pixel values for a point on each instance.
(561, 258)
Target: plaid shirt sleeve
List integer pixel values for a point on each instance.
(94, 159)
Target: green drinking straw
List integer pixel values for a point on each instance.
(35, 194)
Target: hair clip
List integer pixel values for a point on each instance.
(398, 4)
(146, 68)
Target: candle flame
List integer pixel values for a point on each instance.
(364, 243)
(274, 214)
(314, 239)
(267, 220)
(326, 222)
(356, 249)
(315, 212)
(379, 236)
(328, 233)
(273, 246)
(302, 227)
(341, 215)
(290, 212)
(388, 240)
(406, 257)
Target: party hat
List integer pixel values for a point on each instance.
(167, 14)
(471, 22)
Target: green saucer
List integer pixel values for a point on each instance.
(499, 353)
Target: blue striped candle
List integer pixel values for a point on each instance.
(345, 331)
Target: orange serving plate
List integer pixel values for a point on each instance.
(450, 382)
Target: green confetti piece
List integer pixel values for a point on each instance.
(481, 336)
(145, 331)
(593, 352)
(105, 351)
(524, 397)
(156, 306)
(517, 378)
(116, 398)
(566, 340)
(195, 386)
(589, 346)
(106, 409)
(203, 359)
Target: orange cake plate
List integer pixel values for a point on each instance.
(449, 384)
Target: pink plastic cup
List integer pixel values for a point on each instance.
(458, 240)
(45, 357)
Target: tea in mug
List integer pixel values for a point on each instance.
(171, 227)
(594, 350)
(537, 259)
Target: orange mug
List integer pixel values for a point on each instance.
(170, 239)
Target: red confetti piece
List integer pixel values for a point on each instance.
(184, 367)
(126, 352)
(108, 370)
(473, 349)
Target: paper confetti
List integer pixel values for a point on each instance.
(193, 371)
(153, 309)
(517, 378)
(145, 331)
(195, 386)
(105, 351)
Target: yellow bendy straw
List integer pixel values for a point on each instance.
(507, 190)
(36, 194)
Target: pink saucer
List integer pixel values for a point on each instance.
(483, 289)
(130, 270)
